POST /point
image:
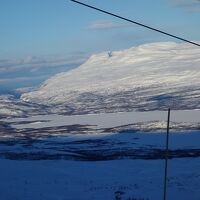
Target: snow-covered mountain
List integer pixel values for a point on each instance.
(150, 76)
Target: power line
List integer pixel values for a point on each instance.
(134, 22)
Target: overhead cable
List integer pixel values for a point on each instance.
(134, 22)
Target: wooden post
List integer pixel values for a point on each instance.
(166, 156)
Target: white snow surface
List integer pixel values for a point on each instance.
(166, 64)
(8, 107)
(69, 180)
(105, 120)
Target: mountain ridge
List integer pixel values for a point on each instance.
(163, 64)
(152, 76)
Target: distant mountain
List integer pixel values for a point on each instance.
(148, 77)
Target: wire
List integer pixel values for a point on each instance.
(134, 22)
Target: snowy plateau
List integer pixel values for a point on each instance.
(98, 132)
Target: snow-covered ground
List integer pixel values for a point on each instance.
(11, 106)
(74, 180)
(85, 157)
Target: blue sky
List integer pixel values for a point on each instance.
(41, 38)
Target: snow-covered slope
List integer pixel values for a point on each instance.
(139, 77)
(9, 106)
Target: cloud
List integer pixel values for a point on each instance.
(190, 5)
(32, 70)
(33, 63)
(19, 79)
(24, 90)
(104, 25)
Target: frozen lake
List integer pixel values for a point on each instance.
(105, 120)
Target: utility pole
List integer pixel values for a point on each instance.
(166, 157)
